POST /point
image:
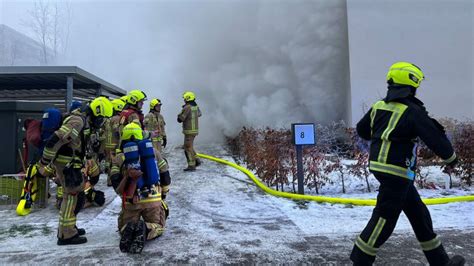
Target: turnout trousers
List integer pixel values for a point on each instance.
(162, 164)
(163, 168)
(397, 194)
(72, 201)
(189, 150)
(153, 215)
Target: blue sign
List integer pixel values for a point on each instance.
(303, 134)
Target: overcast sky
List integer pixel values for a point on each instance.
(435, 35)
(128, 43)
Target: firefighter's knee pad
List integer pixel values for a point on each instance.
(95, 196)
(98, 197)
(93, 180)
(115, 179)
(165, 179)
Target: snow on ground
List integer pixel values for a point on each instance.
(356, 187)
(307, 213)
(219, 216)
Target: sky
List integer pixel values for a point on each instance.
(271, 63)
(435, 35)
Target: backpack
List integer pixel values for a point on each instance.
(37, 132)
(33, 132)
(52, 120)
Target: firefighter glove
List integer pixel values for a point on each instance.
(44, 170)
(164, 142)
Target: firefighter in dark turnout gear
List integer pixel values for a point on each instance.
(189, 116)
(64, 152)
(393, 126)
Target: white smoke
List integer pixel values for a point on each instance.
(294, 69)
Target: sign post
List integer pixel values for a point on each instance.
(303, 134)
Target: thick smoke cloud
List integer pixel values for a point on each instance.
(250, 63)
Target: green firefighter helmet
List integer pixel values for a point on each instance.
(154, 103)
(189, 96)
(118, 105)
(135, 96)
(130, 131)
(406, 74)
(124, 98)
(101, 107)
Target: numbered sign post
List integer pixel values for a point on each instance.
(303, 134)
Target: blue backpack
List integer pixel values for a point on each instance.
(52, 119)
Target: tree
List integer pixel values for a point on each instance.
(50, 23)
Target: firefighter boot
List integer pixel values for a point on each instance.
(190, 169)
(75, 240)
(127, 237)
(139, 238)
(80, 231)
(456, 260)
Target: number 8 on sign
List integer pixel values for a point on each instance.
(303, 134)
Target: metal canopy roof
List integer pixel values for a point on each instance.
(50, 84)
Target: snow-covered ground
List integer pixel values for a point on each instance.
(219, 216)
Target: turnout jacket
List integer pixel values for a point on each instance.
(127, 116)
(189, 117)
(130, 115)
(68, 141)
(393, 125)
(112, 132)
(155, 124)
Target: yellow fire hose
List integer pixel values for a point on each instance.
(361, 202)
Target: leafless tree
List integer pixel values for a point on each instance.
(50, 22)
(13, 52)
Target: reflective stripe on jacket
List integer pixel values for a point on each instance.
(394, 126)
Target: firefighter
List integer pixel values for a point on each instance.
(189, 116)
(94, 139)
(112, 134)
(143, 214)
(133, 109)
(64, 152)
(393, 125)
(155, 125)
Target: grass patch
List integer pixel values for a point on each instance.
(10, 189)
(24, 230)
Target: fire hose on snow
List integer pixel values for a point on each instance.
(353, 201)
